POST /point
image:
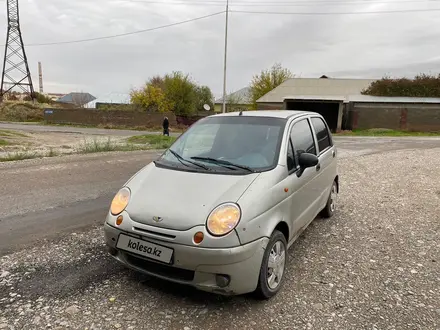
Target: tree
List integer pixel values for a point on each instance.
(234, 102)
(267, 80)
(151, 98)
(204, 96)
(175, 92)
(180, 90)
(422, 85)
(41, 98)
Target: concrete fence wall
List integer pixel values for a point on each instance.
(412, 117)
(107, 117)
(270, 106)
(118, 117)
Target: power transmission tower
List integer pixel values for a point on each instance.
(15, 65)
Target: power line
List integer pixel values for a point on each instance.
(232, 11)
(237, 2)
(337, 13)
(277, 3)
(126, 34)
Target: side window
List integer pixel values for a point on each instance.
(302, 139)
(322, 134)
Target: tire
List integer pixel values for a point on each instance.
(276, 243)
(330, 207)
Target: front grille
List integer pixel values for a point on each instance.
(159, 269)
(154, 232)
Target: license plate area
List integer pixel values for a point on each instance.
(145, 249)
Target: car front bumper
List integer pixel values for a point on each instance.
(206, 269)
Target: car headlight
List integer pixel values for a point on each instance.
(223, 219)
(120, 201)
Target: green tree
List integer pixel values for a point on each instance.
(157, 81)
(423, 85)
(151, 98)
(180, 90)
(204, 96)
(267, 80)
(41, 98)
(175, 92)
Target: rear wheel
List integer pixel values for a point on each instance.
(272, 267)
(330, 207)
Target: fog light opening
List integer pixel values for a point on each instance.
(198, 237)
(119, 220)
(222, 280)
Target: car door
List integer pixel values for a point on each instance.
(304, 188)
(327, 157)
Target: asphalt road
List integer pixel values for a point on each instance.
(374, 266)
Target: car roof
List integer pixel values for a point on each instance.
(268, 113)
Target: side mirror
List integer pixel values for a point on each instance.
(307, 160)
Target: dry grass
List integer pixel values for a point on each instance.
(8, 133)
(108, 145)
(155, 141)
(21, 111)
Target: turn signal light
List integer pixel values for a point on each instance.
(119, 220)
(198, 237)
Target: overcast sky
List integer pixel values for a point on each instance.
(362, 46)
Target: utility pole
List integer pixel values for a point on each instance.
(225, 58)
(15, 65)
(40, 77)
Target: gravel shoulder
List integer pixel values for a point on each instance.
(375, 265)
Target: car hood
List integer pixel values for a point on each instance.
(181, 199)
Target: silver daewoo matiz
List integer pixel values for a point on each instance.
(220, 208)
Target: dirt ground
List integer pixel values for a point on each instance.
(51, 141)
(374, 265)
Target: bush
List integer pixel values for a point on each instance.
(175, 92)
(422, 85)
(21, 111)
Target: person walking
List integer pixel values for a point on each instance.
(166, 126)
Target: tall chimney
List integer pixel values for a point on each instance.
(40, 74)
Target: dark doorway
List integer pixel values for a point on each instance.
(329, 110)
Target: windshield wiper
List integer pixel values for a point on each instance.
(181, 159)
(223, 162)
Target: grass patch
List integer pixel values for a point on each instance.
(3, 142)
(22, 155)
(385, 132)
(96, 146)
(89, 147)
(179, 129)
(154, 141)
(109, 126)
(8, 133)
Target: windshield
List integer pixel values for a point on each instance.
(233, 144)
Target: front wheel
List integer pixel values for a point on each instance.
(272, 267)
(330, 207)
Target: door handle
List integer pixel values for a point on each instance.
(318, 167)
